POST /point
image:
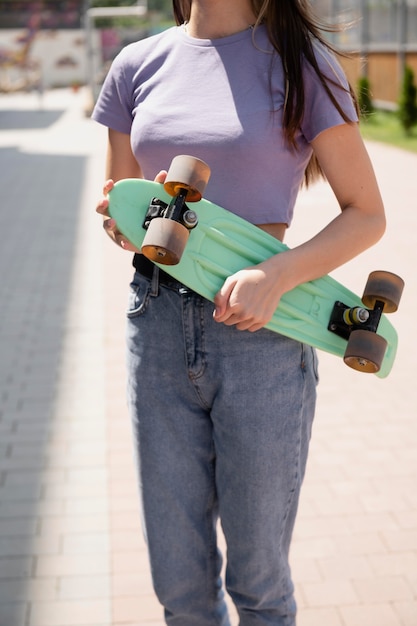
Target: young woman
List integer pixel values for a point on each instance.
(222, 408)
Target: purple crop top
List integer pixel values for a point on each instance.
(218, 100)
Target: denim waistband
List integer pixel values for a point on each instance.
(146, 268)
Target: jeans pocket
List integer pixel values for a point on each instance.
(138, 298)
(310, 361)
(315, 365)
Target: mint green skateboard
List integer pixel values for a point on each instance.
(202, 244)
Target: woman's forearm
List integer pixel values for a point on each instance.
(349, 234)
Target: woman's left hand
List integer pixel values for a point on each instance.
(248, 298)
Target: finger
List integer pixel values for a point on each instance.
(108, 186)
(241, 324)
(110, 227)
(247, 324)
(127, 245)
(252, 328)
(103, 207)
(161, 176)
(221, 300)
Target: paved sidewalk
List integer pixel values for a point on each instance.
(71, 550)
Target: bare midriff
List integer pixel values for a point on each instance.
(276, 230)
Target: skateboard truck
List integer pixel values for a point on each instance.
(168, 225)
(366, 349)
(176, 210)
(344, 319)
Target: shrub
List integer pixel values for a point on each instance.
(366, 106)
(407, 105)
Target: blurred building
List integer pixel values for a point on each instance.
(375, 21)
(45, 43)
(55, 14)
(380, 37)
(42, 44)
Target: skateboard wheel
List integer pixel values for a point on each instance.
(385, 287)
(365, 351)
(165, 241)
(187, 172)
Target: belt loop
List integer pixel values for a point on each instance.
(155, 282)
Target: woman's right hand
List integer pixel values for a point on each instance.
(109, 224)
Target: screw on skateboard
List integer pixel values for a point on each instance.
(203, 245)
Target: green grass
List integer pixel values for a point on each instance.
(384, 126)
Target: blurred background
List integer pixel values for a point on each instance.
(71, 548)
(59, 43)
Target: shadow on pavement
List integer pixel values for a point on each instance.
(38, 217)
(28, 120)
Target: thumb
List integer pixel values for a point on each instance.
(221, 300)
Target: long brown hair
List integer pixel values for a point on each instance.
(292, 29)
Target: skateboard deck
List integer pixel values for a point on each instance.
(223, 243)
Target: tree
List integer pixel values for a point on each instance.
(407, 106)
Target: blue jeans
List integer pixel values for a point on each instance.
(222, 422)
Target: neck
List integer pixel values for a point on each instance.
(212, 19)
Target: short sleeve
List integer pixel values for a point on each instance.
(320, 113)
(114, 104)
